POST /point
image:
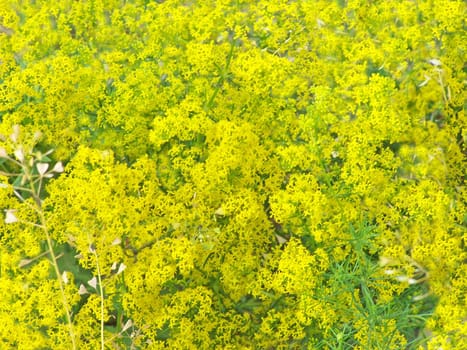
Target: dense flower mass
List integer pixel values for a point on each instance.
(233, 174)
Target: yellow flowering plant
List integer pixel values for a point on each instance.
(233, 174)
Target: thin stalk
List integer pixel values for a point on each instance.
(32, 224)
(101, 292)
(443, 89)
(4, 173)
(24, 189)
(43, 226)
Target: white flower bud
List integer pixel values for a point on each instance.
(58, 168)
(121, 268)
(42, 168)
(10, 217)
(93, 282)
(15, 135)
(19, 155)
(65, 277)
(82, 290)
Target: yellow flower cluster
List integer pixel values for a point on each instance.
(237, 174)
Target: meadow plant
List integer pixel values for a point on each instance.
(233, 174)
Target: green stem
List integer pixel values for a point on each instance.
(59, 277)
(43, 226)
(101, 292)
